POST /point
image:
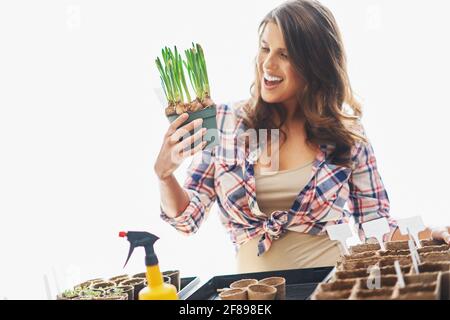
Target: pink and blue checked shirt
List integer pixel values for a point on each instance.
(226, 174)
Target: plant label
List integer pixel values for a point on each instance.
(377, 229)
(414, 225)
(340, 232)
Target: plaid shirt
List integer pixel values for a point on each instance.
(226, 174)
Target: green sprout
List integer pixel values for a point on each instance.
(172, 76)
(90, 293)
(196, 66)
(71, 293)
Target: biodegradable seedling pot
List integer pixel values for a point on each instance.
(373, 294)
(431, 242)
(113, 297)
(129, 290)
(105, 285)
(426, 286)
(174, 278)
(441, 248)
(88, 283)
(397, 245)
(394, 253)
(331, 295)
(358, 256)
(359, 264)
(68, 295)
(384, 282)
(141, 275)
(209, 122)
(137, 283)
(390, 260)
(234, 294)
(243, 283)
(337, 285)
(119, 279)
(348, 274)
(435, 256)
(279, 283)
(360, 248)
(261, 292)
(89, 294)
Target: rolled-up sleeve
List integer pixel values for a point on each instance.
(199, 185)
(368, 197)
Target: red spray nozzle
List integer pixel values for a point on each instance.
(122, 234)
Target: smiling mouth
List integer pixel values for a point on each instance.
(271, 84)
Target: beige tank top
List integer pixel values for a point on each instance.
(293, 250)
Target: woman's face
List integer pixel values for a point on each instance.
(280, 82)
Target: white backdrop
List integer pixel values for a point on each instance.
(81, 126)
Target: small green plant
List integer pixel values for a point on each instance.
(90, 293)
(71, 293)
(173, 80)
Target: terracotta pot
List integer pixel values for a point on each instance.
(279, 283)
(261, 292)
(234, 294)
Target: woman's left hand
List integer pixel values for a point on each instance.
(441, 234)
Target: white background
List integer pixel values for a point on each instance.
(81, 126)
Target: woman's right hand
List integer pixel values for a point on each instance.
(173, 151)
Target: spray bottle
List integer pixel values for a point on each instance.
(156, 288)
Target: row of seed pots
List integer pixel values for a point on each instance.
(122, 287)
(273, 288)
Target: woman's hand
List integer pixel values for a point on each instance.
(173, 151)
(441, 234)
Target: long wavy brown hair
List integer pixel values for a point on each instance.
(315, 49)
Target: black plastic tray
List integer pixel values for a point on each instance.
(186, 285)
(300, 283)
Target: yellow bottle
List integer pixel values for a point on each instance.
(156, 288)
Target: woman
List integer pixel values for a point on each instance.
(276, 202)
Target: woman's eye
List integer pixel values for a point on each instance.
(264, 49)
(284, 56)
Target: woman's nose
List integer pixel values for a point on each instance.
(269, 63)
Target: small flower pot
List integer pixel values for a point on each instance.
(385, 282)
(137, 283)
(441, 248)
(358, 256)
(174, 278)
(119, 279)
(90, 294)
(112, 297)
(394, 253)
(431, 242)
(279, 283)
(360, 248)
(105, 285)
(337, 285)
(68, 295)
(140, 275)
(88, 283)
(397, 245)
(233, 294)
(359, 264)
(348, 274)
(129, 290)
(331, 295)
(243, 283)
(426, 286)
(209, 122)
(261, 292)
(435, 256)
(390, 261)
(374, 294)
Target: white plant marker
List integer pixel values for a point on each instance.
(398, 271)
(377, 229)
(340, 232)
(414, 224)
(414, 254)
